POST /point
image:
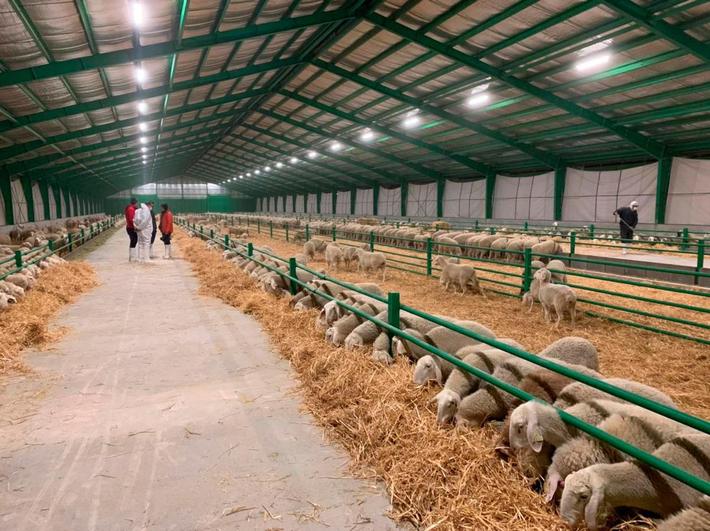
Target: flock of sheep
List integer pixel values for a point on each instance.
(589, 478)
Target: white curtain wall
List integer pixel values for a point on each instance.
(39, 203)
(421, 200)
(363, 202)
(389, 201)
(689, 193)
(312, 205)
(19, 205)
(300, 204)
(594, 195)
(326, 203)
(465, 199)
(289, 203)
(524, 198)
(342, 203)
(63, 204)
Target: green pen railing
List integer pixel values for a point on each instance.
(392, 327)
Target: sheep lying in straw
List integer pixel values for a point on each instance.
(460, 276)
(695, 518)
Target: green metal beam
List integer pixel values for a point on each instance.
(649, 145)
(142, 53)
(661, 28)
(6, 192)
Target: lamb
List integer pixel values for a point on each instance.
(333, 256)
(577, 392)
(349, 256)
(594, 492)
(559, 297)
(647, 433)
(309, 249)
(337, 333)
(441, 337)
(558, 270)
(692, 519)
(368, 262)
(573, 349)
(460, 276)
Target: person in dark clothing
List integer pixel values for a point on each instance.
(129, 212)
(151, 204)
(628, 219)
(166, 229)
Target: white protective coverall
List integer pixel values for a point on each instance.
(143, 222)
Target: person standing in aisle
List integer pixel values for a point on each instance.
(151, 205)
(130, 212)
(166, 228)
(628, 219)
(144, 226)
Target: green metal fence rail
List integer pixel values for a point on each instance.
(517, 275)
(392, 327)
(24, 258)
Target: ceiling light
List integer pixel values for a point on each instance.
(412, 119)
(248, 174)
(145, 162)
(241, 176)
(138, 14)
(593, 61)
(294, 160)
(144, 149)
(279, 165)
(367, 135)
(257, 172)
(143, 140)
(140, 75)
(312, 154)
(267, 168)
(336, 146)
(478, 100)
(142, 107)
(143, 126)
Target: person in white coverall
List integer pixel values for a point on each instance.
(143, 223)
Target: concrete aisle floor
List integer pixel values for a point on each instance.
(164, 409)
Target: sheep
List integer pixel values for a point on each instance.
(647, 433)
(573, 349)
(6, 300)
(365, 333)
(446, 245)
(309, 249)
(546, 247)
(441, 337)
(302, 258)
(22, 281)
(333, 256)
(577, 392)
(559, 297)
(349, 256)
(459, 275)
(12, 290)
(368, 262)
(558, 270)
(337, 333)
(695, 518)
(594, 492)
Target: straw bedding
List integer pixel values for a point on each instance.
(26, 324)
(437, 478)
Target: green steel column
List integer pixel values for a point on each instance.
(6, 192)
(490, 190)
(440, 187)
(375, 198)
(353, 197)
(305, 203)
(404, 192)
(29, 198)
(293, 201)
(44, 192)
(318, 196)
(663, 181)
(57, 193)
(560, 181)
(334, 200)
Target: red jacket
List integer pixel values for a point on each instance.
(130, 212)
(166, 222)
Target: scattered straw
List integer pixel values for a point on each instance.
(26, 324)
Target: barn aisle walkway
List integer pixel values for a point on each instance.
(163, 409)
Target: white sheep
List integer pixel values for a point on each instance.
(22, 281)
(441, 337)
(557, 297)
(593, 493)
(577, 392)
(371, 262)
(573, 349)
(558, 270)
(11, 289)
(337, 333)
(695, 518)
(460, 276)
(6, 300)
(333, 256)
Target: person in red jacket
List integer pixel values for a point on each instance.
(166, 228)
(129, 212)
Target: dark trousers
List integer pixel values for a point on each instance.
(627, 233)
(133, 235)
(152, 237)
(166, 238)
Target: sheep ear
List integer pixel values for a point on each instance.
(439, 375)
(591, 512)
(551, 484)
(534, 433)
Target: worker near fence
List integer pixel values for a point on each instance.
(142, 221)
(628, 219)
(166, 228)
(130, 212)
(151, 205)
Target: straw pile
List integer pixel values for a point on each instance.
(450, 479)
(26, 324)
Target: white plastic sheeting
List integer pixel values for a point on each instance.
(63, 204)
(594, 195)
(289, 203)
(421, 200)
(389, 202)
(465, 199)
(689, 193)
(312, 203)
(524, 197)
(363, 202)
(38, 201)
(342, 203)
(300, 204)
(326, 203)
(19, 204)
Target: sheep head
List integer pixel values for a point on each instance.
(525, 431)
(353, 341)
(447, 404)
(427, 370)
(583, 497)
(543, 275)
